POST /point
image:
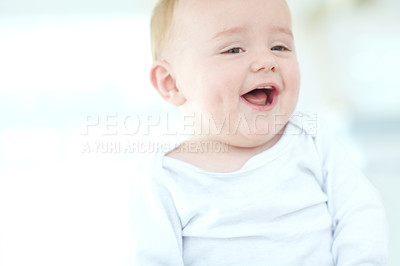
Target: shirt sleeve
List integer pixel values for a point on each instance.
(157, 237)
(360, 234)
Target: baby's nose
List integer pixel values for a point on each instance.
(266, 62)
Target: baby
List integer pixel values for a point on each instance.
(282, 192)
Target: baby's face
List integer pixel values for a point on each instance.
(235, 64)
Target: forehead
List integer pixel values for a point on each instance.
(212, 16)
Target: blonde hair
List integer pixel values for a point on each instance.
(160, 25)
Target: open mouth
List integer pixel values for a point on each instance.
(261, 97)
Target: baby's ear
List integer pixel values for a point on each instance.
(164, 83)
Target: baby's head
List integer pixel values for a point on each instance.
(230, 63)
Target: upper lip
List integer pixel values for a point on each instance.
(264, 85)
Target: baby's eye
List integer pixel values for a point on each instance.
(280, 48)
(235, 50)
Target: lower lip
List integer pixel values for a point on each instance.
(263, 108)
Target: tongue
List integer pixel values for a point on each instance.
(257, 97)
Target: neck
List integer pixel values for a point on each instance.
(215, 155)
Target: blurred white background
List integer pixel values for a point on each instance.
(74, 80)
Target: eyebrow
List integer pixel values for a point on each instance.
(283, 30)
(237, 30)
(229, 31)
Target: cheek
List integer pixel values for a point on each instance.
(292, 81)
(220, 84)
(296, 84)
(292, 85)
(293, 74)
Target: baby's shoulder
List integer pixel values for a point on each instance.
(319, 130)
(310, 124)
(305, 123)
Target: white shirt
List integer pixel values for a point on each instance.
(302, 202)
